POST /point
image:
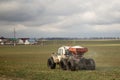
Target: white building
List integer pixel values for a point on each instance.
(26, 42)
(1, 42)
(20, 41)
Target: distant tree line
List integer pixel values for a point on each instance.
(91, 38)
(63, 38)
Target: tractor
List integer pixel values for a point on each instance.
(71, 58)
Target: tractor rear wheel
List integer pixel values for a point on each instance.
(71, 65)
(50, 63)
(63, 64)
(82, 64)
(90, 64)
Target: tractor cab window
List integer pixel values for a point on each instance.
(67, 52)
(60, 51)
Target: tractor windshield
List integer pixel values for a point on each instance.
(67, 52)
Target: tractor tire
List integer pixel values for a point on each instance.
(90, 64)
(50, 63)
(63, 64)
(82, 64)
(71, 65)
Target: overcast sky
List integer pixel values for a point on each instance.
(60, 18)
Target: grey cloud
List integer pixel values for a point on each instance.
(22, 12)
(73, 16)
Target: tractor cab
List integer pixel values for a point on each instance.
(63, 52)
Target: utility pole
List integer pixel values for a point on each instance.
(14, 37)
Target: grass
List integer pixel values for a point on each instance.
(29, 62)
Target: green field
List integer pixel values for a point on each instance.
(29, 62)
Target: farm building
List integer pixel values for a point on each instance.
(24, 41)
(1, 42)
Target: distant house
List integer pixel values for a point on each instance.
(11, 41)
(23, 41)
(20, 41)
(26, 42)
(32, 41)
(2, 40)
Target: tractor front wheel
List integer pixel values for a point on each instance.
(50, 63)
